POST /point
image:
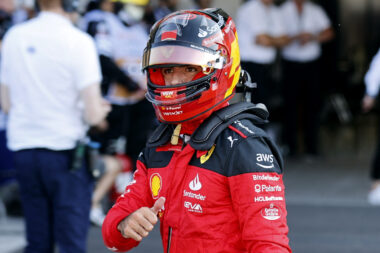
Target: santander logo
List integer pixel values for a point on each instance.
(195, 184)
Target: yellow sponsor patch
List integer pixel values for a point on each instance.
(155, 184)
(207, 156)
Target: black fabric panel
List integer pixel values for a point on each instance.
(234, 154)
(153, 159)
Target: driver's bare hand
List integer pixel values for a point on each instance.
(139, 223)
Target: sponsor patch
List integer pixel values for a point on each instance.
(155, 184)
(193, 195)
(202, 33)
(267, 188)
(207, 156)
(193, 207)
(267, 198)
(238, 122)
(271, 212)
(265, 161)
(265, 177)
(195, 184)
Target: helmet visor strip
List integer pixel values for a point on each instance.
(178, 54)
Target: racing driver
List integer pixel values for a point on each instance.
(208, 173)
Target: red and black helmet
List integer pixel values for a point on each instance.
(205, 38)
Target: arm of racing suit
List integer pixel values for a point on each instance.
(136, 195)
(257, 193)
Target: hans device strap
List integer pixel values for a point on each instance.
(205, 135)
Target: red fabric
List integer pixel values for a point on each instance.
(222, 216)
(156, 76)
(237, 131)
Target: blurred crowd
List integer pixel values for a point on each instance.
(119, 30)
(281, 47)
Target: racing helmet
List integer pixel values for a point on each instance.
(205, 38)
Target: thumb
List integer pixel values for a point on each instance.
(158, 205)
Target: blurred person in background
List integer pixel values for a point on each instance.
(307, 26)
(50, 78)
(5, 155)
(261, 33)
(163, 8)
(372, 83)
(135, 114)
(24, 10)
(106, 28)
(203, 171)
(6, 10)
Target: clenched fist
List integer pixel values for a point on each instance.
(139, 223)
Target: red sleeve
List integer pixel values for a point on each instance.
(258, 197)
(260, 205)
(136, 195)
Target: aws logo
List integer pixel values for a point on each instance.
(266, 158)
(207, 156)
(155, 184)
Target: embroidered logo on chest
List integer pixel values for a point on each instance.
(195, 184)
(207, 156)
(155, 184)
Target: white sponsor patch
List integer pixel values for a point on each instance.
(271, 212)
(202, 33)
(197, 208)
(195, 184)
(193, 195)
(244, 127)
(268, 198)
(265, 158)
(267, 188)
(173, 113)
(172, 108)
(265, 177)
(167, 94)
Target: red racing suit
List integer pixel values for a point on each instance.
(229, 198)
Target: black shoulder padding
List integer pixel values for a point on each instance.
(160, 136)
(204, 137)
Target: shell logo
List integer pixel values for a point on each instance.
(155, 184)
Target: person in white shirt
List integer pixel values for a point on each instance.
(50, 86)
(307, 26)
(372, 84)
(261, 33)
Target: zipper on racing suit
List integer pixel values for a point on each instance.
(169, 239)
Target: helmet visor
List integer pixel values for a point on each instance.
(181, 54)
